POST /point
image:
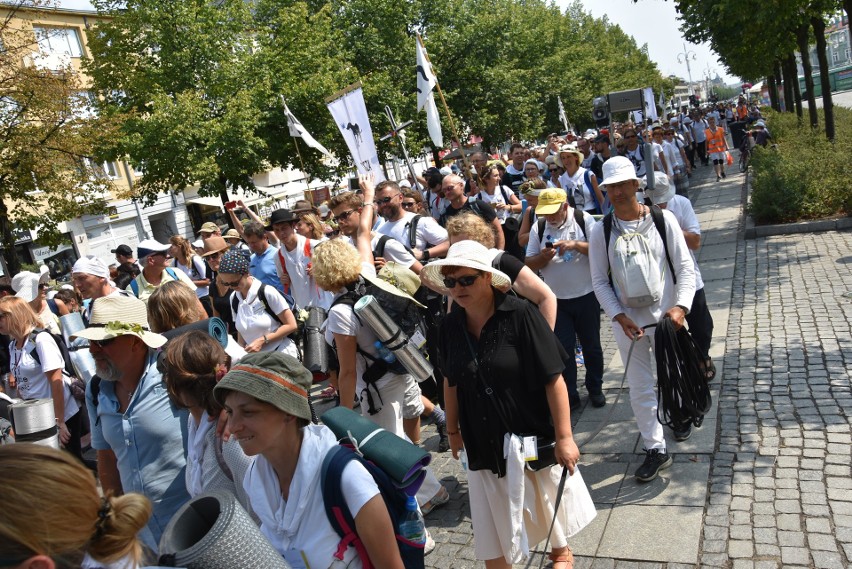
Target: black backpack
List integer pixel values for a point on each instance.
(578, 217)
(77, 385)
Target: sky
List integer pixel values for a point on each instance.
(649, 21)
(655, 22)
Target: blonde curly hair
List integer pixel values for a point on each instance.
(470, 226)
(336, 264)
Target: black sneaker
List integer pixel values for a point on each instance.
(655, 461)
(683, 432)
(597, 399)
(443, 440)
(723, 174)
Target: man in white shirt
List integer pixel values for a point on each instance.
(293, 259)
(420, 233)
(630, 216)
(559, 249)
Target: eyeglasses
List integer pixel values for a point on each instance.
(231, 284)
(214, 255)
(553, 169)
(408, 205)
(42, 286)
(157, 254)
(102, 343)
(465, 281)
(344, 215)
(386, 200)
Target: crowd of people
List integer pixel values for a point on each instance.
(510, 265)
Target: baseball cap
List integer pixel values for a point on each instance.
(123, 250)
(549, 201)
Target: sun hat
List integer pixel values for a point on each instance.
(234, 262)
(231, 234)
(470, 254)
(149, 246)
(527, 189)
(569, 149)
(404, 183)
(214, 244)
(760, 124)
(282, 215)
(90, 265)
(25, 284)
(198, 244)
(687, 120)
(401, 277)
(663, 190)
(120, 315)
(272, 377)
(209, 227)
(123, 250)
(534, 162)
(550, 200)
(618, 169)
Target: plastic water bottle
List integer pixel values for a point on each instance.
(463, 459)
(567, 255)
(384, 353)
(412, 527)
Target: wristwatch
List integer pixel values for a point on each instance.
(425, 256)
(265, 340)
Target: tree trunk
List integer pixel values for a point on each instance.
(773, 93)
(807, 69)
(788, 86)
(436, 156)
(827, 103)
(13, 264)
(794, 83)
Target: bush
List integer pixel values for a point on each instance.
(805, 176)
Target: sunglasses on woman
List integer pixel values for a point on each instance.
(230, 284)
(465, 281)
(408, 205)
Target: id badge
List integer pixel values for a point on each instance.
(530, 448)
(417, 339)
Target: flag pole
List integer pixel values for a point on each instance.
(301, 162)
(454, 136)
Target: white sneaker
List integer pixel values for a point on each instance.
(430, 544)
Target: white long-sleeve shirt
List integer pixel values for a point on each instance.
(673, 295)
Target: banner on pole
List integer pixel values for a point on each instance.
(426, 82)
(350, 113)
(299, 131)
(650, 107)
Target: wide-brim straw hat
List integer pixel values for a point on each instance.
(214, 244)
(119, 315)
(470, 254)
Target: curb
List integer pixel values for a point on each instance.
(753, 231)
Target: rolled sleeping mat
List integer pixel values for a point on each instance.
(216, 327)
(212, 531)
(34, 421)
(78, 348)
(394, 339)
(315, 348)
(404, 462)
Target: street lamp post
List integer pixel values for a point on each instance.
(686, 53)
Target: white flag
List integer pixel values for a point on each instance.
(562, 116)
(426, 82)
(298, 131)
(350, 114)
(650, 108)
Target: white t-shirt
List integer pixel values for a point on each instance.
(499, 197)
(394, 250)
(698, 130)
(570, 184)
(253, 321)
(303, 288)
(672, 154)
(681, 207)
(31, 378)
(567, 279)
(197, 271)
(298, 526)
(427, 234)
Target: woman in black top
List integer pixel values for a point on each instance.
(214, 248)
(504, 377)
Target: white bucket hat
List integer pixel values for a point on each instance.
(663, 190)
(618, 169)
(25, 284)
(468, 254)
(569, 149)
(120, 315)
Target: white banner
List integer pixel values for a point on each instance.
(350, 114)
(650, 107)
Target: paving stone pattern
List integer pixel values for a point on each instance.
(766, 482)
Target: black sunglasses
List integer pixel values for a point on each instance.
(344, 215)
(465, 281)
(383, 201)
(554, 169)
(103, 343)
(407, 205)
(231, 284)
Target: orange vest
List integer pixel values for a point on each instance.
(742, 111)
(715, 142)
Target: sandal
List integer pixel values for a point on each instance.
(565, 556)
(327, 393)
(709, 370)
(438, 500)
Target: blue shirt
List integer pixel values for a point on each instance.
(262, 267)
(148, 440)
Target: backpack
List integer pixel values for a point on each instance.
(379, 251)
(69, 374)
(51, 304)
(475, 207)
(578, 217)
(634, 272)
(134, 284)
(407, 316)
(261, 296)
(341, 519)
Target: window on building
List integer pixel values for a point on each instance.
(835, 57)
(846, 54)
(58, 41)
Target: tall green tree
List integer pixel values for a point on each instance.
(48, 137)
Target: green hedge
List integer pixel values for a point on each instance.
(804, 176)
